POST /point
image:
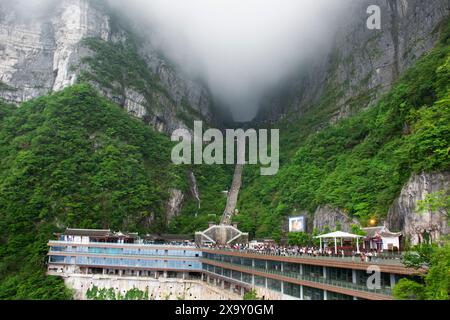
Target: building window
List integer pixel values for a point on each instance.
(247, 278)
(292, 290)
(260, 264)
(338, 296)
(57, 259)
(313, 271)
(312, 293)
(236, 275)
(274, 285)
(260, 281)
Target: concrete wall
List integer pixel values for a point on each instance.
(161, 289)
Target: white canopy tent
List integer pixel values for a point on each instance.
(340, 235)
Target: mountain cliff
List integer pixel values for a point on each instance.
(77, 40)
(364, 133)
(356, 133)
(363, 64)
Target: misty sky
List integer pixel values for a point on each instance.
(241, 48)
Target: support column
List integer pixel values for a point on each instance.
(242, 291)
(325, 295)
(392, 280)
(120, 272)
(324, 272)
(165, 274)
(354, 276)
(301, 269)
(301, 293)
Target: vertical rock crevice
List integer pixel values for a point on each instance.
(394, 29)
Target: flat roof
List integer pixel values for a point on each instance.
(88, 232)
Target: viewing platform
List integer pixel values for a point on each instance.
(109, 258)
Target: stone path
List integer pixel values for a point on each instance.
(233, 195)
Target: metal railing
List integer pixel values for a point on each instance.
(129, 245)
(131, 255)
(382, 259)
(386, 291)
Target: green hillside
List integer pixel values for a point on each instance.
(75, 159)
(361, 163)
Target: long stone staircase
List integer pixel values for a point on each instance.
(233, 195)
(226, 233)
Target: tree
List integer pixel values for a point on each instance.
(438, 277)
(420, 257)
(299, 239)
(326, 229)
(356, 229)
(251, 295)
(409, 290)
(435, 283)
(436, 202)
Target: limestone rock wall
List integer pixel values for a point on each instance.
(174, 204)
(42, 53)
(363, 63)
(327, 216)
(37, 52)
(159, 289)
(403, 215)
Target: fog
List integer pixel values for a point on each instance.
(240, 48)
(27, 10)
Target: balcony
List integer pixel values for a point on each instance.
(386, 291)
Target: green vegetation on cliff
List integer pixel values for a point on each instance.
(435, 283)
(361, 163)
(74, 159)
(118, 66)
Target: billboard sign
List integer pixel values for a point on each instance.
(297, 224)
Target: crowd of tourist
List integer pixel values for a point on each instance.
(307, 251)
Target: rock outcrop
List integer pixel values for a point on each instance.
(363, 63)
(332, 218)
(174, 204)
(44, 53)
(403, 215)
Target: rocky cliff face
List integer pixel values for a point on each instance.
(174, 205)
(37, 51)
(332, 218)
(363, 63)
(41, 54)
(403, 215)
